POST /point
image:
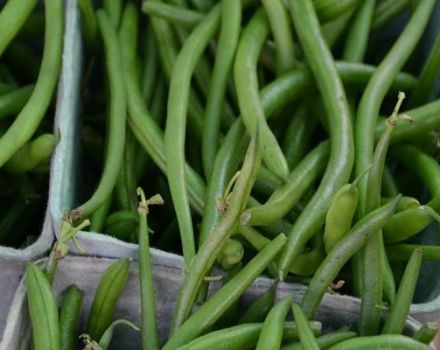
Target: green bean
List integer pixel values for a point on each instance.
(240, 337)
(395, 322)
(148, 306)
(99, 216)
(306, 336)
(280, 26)
(328, 9)
(176, 125)
(334, 29)
(426, 333)
(373, 252)
(325, 341)
(426, 82)
(143, 126)
(246, 82)
(341, 141)
(158, 105)
(12, 17)
(386, 11)
(186, 17)
(203, 5)
(391, 342)
(109, 289)
(26, 123)
(206, 255)
(150, 64)
(425, 120)
(212, 309)
(335, 260)
(12, 102)
(286, 196)
(32, 155)
(231, 254)
(424, 166)
(42, 310)
(69, 316)
(388, 183)
(227, 43)
(258, 310)
(298, 135)
(402, 252)
(407, 223)
(116, 127)
(89, 23)
(113, 8)
(272, 333)
(366, 118)
(226, 163)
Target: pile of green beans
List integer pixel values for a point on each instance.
(30, 62)
(261, 126)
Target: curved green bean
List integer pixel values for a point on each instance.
(389, 342)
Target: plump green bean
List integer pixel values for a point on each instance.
(148, 305)
(272, 332)
(282, 34)
(347, 247)
(116, 126)
(378, 85)
(109, 289)
(231, 254)
(207, 253)
(12, 17)
(286, 196)
(174, 14)
(306, 336)
(12, 102)
(341, 137)
(69, 316)
(142, 124)
(100, 215)
(426, 333)
(246, 82)
(26, 123)
(32, 155)
(176, 125)
(389, 342)
(395, 321)
(325, 341)
(402, 252)
(113, 8)
(212, 309)
(227, 43)
(43, 310)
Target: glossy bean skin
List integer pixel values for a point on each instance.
(69, 316)
(341, 137)
(212, 309)
(391, 342)
(175, 14)
(325, 341)
(272, 332)
(28, 120)
(43, 310)
(110, 287)
(347, 247)
(395, 322)
(207, 253)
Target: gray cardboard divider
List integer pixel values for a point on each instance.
(167, 275)
(65, 183)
